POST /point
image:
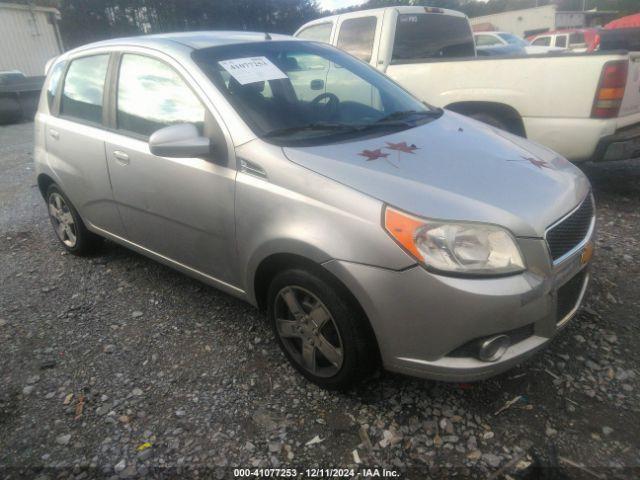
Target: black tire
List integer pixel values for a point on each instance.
(359, 350)
(10, 110)
(492, 120)
(85, 242)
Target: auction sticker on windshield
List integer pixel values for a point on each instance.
(252, 69)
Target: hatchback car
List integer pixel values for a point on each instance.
(373, 229)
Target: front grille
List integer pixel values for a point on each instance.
(571, 231)
(470, 349)
(569, 294)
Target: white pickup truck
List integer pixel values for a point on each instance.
(584, 106)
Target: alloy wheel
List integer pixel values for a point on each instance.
(308, 331)
(62, 220)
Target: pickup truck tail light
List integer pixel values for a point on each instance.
(610, 90)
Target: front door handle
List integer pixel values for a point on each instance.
(121, 157)
(54, 134)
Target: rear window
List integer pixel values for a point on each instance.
(561, 41)
(84, 87)
(427, 36)
(577, 37)
(54, 81)
(319, 33)
(542, 41)
(356, 37)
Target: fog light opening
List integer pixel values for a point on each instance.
(492, 349)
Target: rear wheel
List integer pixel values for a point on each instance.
(68, 225)
(320, 333)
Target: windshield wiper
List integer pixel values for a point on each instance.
(407, 114)
(396, 119)
(339, 127)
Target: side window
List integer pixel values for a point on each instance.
(83, 88)
(356, 37)
(561, 41)
(151, 95)
(542, 41)
(54, 81)
(577, 38)
(486, 40)
(319, 33)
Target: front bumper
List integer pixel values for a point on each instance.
(421, 319)
(624, 144)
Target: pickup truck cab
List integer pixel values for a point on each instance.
(584, 106)
(576, 40)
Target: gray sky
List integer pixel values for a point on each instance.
(333, 4)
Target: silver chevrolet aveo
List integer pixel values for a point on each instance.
(373, 229)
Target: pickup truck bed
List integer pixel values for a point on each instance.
(547, 98)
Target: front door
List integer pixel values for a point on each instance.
(180, 208)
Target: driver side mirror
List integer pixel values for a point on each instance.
(182, 141)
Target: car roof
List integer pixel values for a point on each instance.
(192, 40)
(402, 9)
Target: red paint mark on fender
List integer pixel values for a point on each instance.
(373, 154)
(402, 147)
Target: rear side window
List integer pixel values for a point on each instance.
(432, 36)
(561, 41)
(151, 95)
(54, 81)
(542, 41)
(486, 40)
(356, 37)
(84, 87)
(317, 33)
(576, 38)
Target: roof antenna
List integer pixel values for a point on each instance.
(266, 20)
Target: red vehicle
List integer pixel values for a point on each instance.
(575, 39)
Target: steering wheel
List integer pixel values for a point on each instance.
(331, 107)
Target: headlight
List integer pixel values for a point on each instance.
(455, 247)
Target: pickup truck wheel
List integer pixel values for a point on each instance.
(68, 225)
(318, 330)
(492, 120)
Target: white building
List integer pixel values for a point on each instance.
(530, 21)
(29, 37)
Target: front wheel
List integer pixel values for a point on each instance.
(320, 332)
(68, 225)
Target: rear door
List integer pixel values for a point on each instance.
(75, 139)
(180, 208)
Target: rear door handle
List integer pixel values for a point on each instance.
(121, 157)
(54, 134)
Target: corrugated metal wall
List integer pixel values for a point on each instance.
(27, 40)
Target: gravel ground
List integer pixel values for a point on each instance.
(116, 366)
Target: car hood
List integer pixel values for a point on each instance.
(456, 168)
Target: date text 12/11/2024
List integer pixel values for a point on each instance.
(315, 473)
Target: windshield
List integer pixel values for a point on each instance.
(513, 39)
(296, 92)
